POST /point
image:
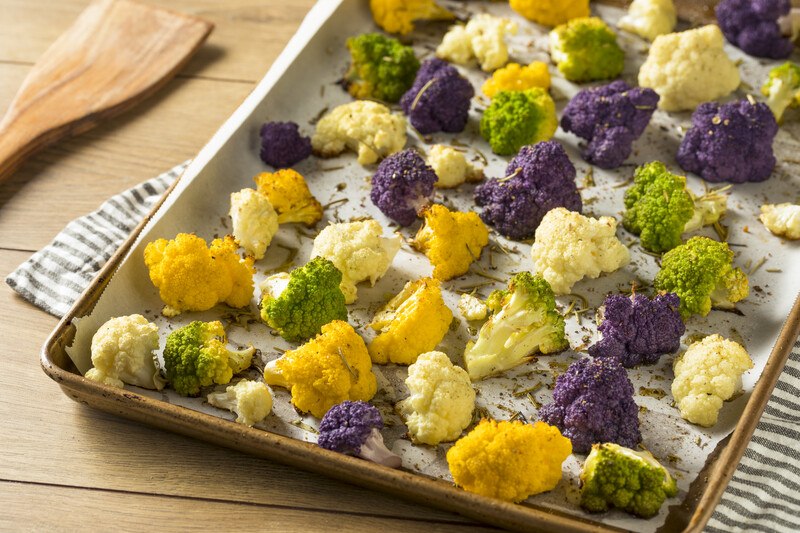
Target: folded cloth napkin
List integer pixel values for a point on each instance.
(55, 276)
(762, 496)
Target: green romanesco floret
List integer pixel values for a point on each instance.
(517, 118)
(398, 16)
(586, 49)
(196, 356)
(701, 273)
(413, 322)
(659, 208)
(782, 88)
(327, 370)
(288, 193)
(309, 299)
(382, 67)
(525, 323)
(250, 400)
(615, 476)
(509, 460)
(122, 352)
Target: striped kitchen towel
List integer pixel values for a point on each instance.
(54, 277)
(764, 494)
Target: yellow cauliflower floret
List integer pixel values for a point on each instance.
(551, 12)
(441, 399)
(254, 221)
(782, 220)
(515, 77)
(452, 240)
(193, 277)
(482, 39)
(706, 375)
(358, 250)
(509, 460)
(398, 16)
(413, 322)
(689, 68)
(365, 127)
(288, 193)
(569, 247)
(649, 18)
(451, 167)
(327, 370)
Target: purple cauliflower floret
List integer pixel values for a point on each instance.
(402, 185)
(753, 26)
(439, 100)
(354, 428)
(730, 142)
(611, 118)
(282, 145)
(541, 177)
(637, 330)
(592, 403)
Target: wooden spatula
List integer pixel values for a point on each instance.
(116, 54)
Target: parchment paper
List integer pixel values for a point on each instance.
(302, 83)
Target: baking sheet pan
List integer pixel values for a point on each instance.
(199, 203)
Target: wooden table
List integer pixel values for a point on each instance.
(64, 466)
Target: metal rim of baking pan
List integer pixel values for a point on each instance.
(690, 515)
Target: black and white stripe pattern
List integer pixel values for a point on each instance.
(55, 276)
(764, 494)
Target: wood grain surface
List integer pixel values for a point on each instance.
(66, 467)
(116, 54)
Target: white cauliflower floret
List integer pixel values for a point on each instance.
(782, 220)
(569, 246)
(451, 167)
(363, 126)
(483, 38)
(250, 400)
(441, 402)
(706, 375)
(122, 352)
(359, 250)
(472, 308)
(254, 220)
(649, 18)
(689, 68)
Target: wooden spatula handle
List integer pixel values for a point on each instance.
(116, 53)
